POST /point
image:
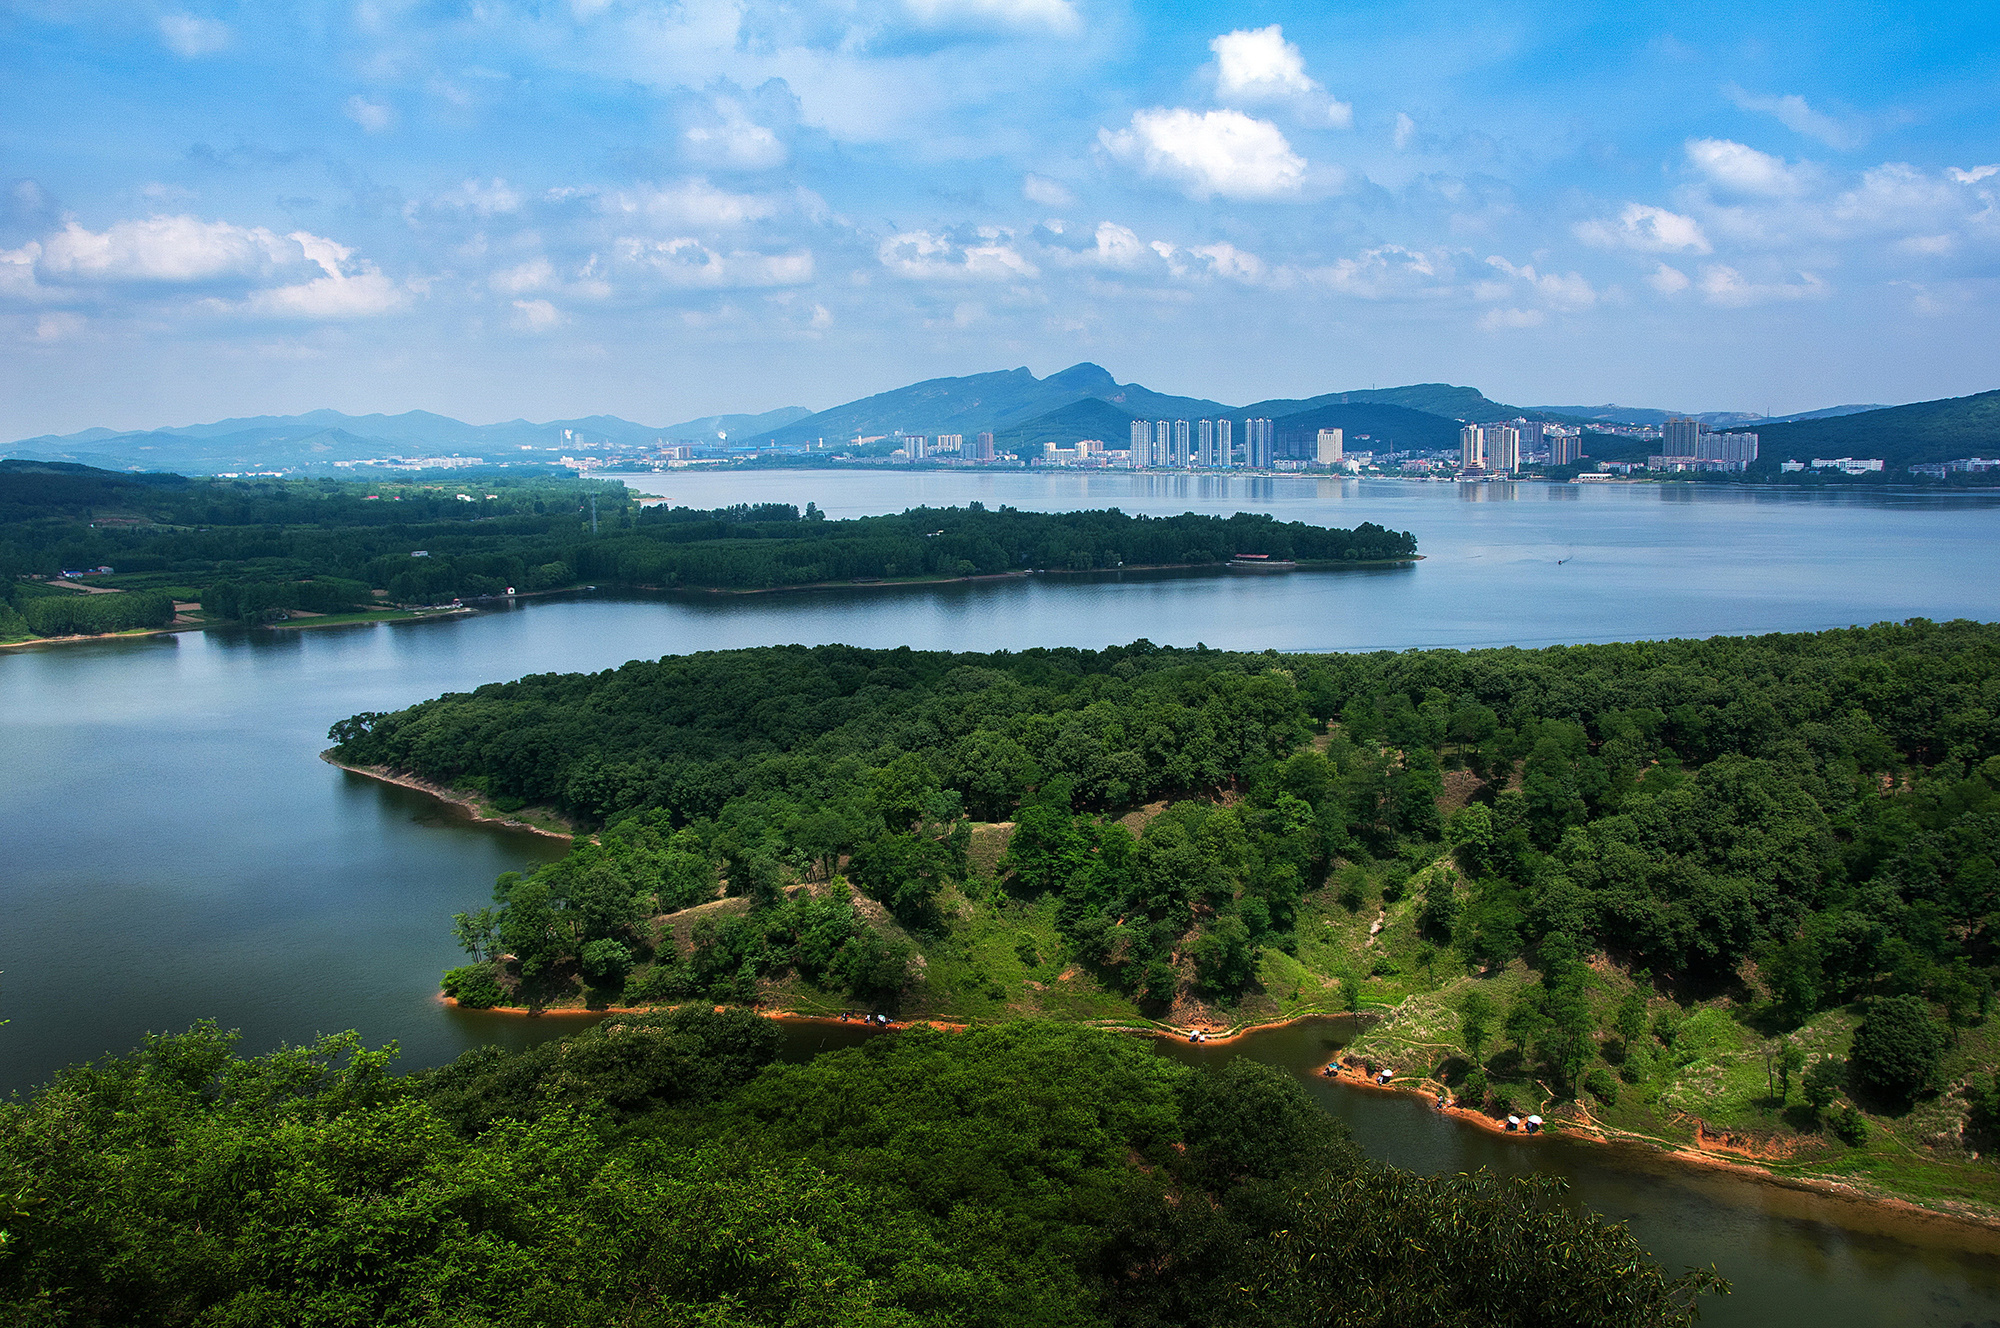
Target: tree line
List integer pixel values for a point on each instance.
(245, 547)
(667, 1169)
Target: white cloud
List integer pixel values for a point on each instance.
(17, 273)
(923, 256)
(533, 275)
(1973, 176)
(688, 263)
(1502, 320)
(1560, 290)
(190, 37)
(1258, 64)
(1054, 15)
(487, 198)
(1794, 114)
(1226, 260)
(1387, 271)
(360, 293)
(1406, 129)
(695, 203)
(1047, 192)
(1217, 152)
(1667, 280)
(1926, 246)
(1746, 170)
(734, 140)
(58, 326)
(186, 250)
(1647, 229)
(1118, 246)
(163, 249)
(373, 117)
(1727, 287)
(536, 316)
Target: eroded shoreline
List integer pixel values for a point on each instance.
(1963, 1216)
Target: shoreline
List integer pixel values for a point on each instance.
(1589, 1132)
(1824, 1187)
(469, 803)
(879, 583)
(171, 629)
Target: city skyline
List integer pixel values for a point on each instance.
(662, 212)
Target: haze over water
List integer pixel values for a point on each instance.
(181, 853)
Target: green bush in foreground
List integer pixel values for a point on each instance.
(664, 1171)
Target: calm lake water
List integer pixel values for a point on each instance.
(173, 850)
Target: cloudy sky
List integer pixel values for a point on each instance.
(546, 208)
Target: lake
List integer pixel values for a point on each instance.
(175, 850)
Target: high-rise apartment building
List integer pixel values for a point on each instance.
(1681, 437)
(982, 447)
(915, 446)
(1259, 443)
(1329, 450)
(1163, 442)
(1182, 456)
(1471, 448)
(1204, 444)
(1225, 445)
(1142, 443)
(1565, 448)
(1503, 447)
(949, 442)
(1733, 450)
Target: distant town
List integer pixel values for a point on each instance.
(1518, 449)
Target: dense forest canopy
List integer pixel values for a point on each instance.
(244, 547)
(1825, 803)
(663, 1170)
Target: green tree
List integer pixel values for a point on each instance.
(1475, 1022)
(1225, 960)
(1898, 1048)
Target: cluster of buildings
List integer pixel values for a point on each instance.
(1688, 444)
(1211, 445)
(940, 447)
(1502, 449)
(1938, 470)
(1845, 465)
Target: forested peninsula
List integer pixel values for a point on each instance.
(261, 550)
(1736, 894)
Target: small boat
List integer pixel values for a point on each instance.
(1260, 562)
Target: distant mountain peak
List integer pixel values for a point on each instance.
(1086, 377)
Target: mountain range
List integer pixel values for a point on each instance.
(320, 437)
(1023, 412)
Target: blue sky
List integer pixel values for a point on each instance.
(494, 209)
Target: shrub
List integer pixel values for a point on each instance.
(1602, 1086)
(1848, 1125)
(1822, 1084)
(475, 986)
(656, 984)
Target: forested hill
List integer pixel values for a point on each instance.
(1924, 431)
(1824, 802)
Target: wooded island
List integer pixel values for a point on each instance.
(261, 549)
